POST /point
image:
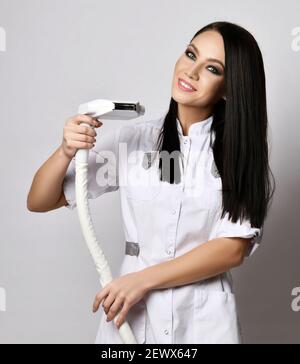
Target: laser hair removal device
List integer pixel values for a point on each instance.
(106, 109)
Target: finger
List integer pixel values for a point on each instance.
(104, 307)
(122, 315)
(80, 145)
(96, 123)
(82, 118)
(84, 129)
(115, 308)
(99, 122)
(109, 300)
(99, 297)
(82, 138)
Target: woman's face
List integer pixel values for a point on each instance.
(204, 75)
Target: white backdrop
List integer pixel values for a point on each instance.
(57, 54)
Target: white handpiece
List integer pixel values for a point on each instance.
(105, 109)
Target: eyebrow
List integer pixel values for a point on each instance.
(208, 59)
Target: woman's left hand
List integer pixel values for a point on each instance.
(121, 294)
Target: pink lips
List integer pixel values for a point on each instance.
(184, 88)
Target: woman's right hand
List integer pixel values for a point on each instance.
(76, 136)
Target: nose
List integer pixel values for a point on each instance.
(192, 74)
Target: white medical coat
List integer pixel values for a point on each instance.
(162, 221)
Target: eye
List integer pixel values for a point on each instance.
(215, 70)
(187, 52)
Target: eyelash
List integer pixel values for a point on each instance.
(189, 51)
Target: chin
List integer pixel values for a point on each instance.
(182, 99)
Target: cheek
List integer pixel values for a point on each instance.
(177, 64)
(208, 92)
(210, 85)
(217, 89)
(182, 65)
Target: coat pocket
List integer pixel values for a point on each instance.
(136, 318)
(215, 317)
(108, 332)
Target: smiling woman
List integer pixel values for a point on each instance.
(200, 203)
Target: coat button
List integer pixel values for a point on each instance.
(174, 212)
(166, 332)
(170, 251)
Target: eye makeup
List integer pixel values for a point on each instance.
(215, 71)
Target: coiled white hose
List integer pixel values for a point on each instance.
(102, 266)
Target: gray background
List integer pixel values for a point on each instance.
(62, 53)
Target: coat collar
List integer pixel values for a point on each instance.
(197, 128)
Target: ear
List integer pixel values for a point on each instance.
(224, 97)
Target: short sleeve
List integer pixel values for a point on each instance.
(103, 170)
(224, 227)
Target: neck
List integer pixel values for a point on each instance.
(189, 115)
